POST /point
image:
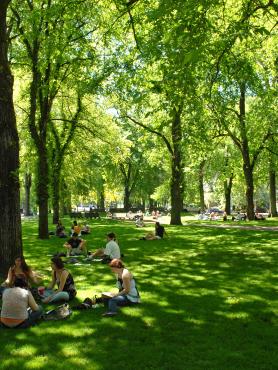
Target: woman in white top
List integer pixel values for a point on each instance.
(128, 293)
(19, 309)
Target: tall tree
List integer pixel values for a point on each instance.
(42, 25)
(63, 135)
(10, 226)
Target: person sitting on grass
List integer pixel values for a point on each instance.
(111, 251)
(20, 269)
(85, 230)
(159, 233)
(75, 228)
(60, 230)
(19, 309)
(75, 246)
(128, 293)
(64, 280)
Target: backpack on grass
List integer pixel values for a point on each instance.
(59, 313)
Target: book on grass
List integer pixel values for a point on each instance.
(107, 294)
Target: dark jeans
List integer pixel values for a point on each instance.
(33, 317)
(115, 302)
(2, 288)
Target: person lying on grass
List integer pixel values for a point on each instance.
(128, 293)
(64, 280)
(20, 269)
(19, 309)
(158, 234)
(111, 251)
(75, 245)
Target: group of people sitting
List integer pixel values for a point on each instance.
(76, 246)
(75, 228)
(19, 308)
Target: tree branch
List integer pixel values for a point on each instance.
(167, 143)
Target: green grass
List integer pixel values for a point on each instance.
(209, 301)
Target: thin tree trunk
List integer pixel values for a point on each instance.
(65, 198)
(126, 198)
(247, 165)
(249, 193)
(177, 170)
(272, 193)
(10, 225)
(101, 200)
(27, 188)
(201, 185)
(56, 196)
(42, 192)
(101, 196)
(228, 183)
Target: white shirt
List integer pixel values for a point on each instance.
(15, 303)
(112, 250)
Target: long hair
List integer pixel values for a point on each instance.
(58, 262)
(24, 266)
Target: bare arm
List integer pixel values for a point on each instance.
(126, 284)
(32, 303)
(63, 279)
(9, 277)
(34, 277)
(53, 281)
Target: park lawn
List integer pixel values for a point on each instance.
(209, 301)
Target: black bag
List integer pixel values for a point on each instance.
(86, 304)
(60, 313)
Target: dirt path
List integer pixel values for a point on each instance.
(229, 226)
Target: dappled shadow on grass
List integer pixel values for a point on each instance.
(208, 301)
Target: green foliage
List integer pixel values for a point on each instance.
(146, 60)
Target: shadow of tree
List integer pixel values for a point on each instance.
(208, 302)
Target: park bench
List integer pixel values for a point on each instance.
(91, 215)
(76, 215)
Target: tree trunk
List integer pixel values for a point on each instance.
(10, 225)
(65, 198)
(56, 186)
(151, 203)
(201, 185)
(249, 193)
(101, 200)
(247, 165)
(177, 170)
(143, 202)
(42, 192)
(56, 196)
(27, 188)
(101, 195)
(272, 193)
(126, 198)
(228, 183)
